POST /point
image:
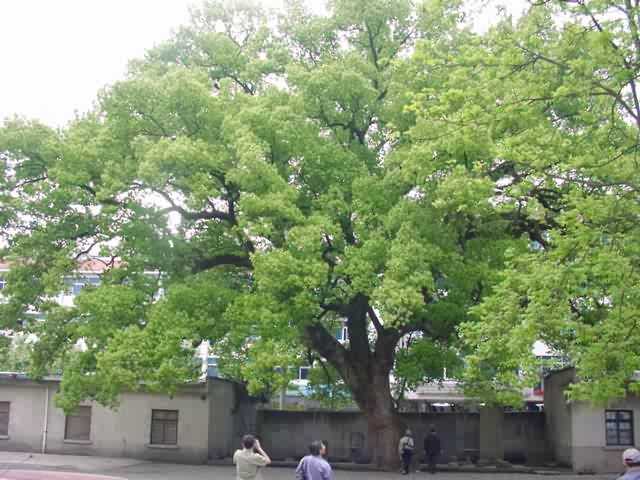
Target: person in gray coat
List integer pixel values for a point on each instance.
(631, 461)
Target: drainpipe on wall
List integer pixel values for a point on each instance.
(46, 421)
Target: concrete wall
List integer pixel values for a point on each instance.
(213, 417)
(558, 420)
(590, 452)
(124, 432)
(491, 434)
(576, 430)
(524, 438)
(232, 414)
(26, 417)
(286, 434)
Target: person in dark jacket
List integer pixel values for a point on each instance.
(432, 449)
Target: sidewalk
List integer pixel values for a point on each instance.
(71, 463)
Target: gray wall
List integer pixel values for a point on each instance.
(576, 430)
(26, 417)
(286, 434)
(524, 438)
(590, 452)
(213, 417)
(232, 415)
(124, 432)
(558, 420)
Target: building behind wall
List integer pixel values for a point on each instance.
(200, 422)
(584, 437)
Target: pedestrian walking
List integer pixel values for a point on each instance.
(250, 459)
(631, 461)
(405, 449)
(432, 449)
(314, 466)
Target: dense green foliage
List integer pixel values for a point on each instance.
(15, 354)
(382, 165)
(562, 120)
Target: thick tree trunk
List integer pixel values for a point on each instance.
(384, 424)
(366, 371)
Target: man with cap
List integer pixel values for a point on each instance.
(405, 449)
(631, 461)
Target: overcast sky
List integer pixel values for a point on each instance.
(56, 54)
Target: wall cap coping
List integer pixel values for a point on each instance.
(162, 447)
(77, 442)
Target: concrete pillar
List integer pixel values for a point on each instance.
(491, 432)
(460, 434)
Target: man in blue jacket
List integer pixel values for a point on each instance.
(314, 466)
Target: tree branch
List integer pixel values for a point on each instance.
(374, 319)
(29, 182)
(374, 50)
(319, 339)
(220, 260)
(202, 215)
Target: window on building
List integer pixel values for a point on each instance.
(212, 367)
(76, 288)
(303, 373)
(4, 418)
(619, 427)
(164, 427)
(342, 334)
(78, 425)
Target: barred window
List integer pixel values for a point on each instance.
(619, 427)
(4, 418)
(78, 425)
(164, 427)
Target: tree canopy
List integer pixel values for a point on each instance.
(381, 165)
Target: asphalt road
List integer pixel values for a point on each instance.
(139, 470)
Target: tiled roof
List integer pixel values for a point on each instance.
(93, 265)
(96, 265)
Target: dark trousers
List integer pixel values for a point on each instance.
(432, 458)
(406, 460)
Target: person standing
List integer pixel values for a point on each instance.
(432, 448)
(631, 461)
(314, 466)
(405, 449)
(250, 459)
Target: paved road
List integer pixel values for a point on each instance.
(138, 470)
(178, 472)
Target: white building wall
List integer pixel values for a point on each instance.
(590, 451)
(124, 432)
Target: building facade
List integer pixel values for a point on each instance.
(584, 437)
(202, 421)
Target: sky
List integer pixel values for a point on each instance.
(55, 55)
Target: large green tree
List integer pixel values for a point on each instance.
(275, 175)
(551, 102)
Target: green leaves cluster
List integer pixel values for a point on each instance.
(382, 165)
